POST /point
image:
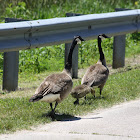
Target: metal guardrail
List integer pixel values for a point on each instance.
(31, 34)
(11, 65)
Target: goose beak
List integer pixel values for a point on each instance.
(106, 36)
(82, 39)
(103, 36)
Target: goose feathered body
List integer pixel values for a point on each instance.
(80, 91)
(96, 75)
(55, 87)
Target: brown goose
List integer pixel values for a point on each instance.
(81, 91)
(57, 87)
(96, 75)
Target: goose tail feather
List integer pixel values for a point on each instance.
(35, 98)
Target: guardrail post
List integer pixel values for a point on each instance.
(119, 51)
(11, 65)
(75, 52)
(119, 48)
(10, 71)
(74, 59)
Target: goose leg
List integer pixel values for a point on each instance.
(77, 101)
(55, 106)
(93, 92)
(100, 91)
(52, 112)
(51, 107)
(101, 88)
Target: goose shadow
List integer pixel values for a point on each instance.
(61, 117)
(93, 118)
(90, 100)
(66, 117)
(80, 118)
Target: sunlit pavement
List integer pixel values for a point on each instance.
(121, 122)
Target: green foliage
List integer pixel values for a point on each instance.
(40, 59)
(52, 58)
(1, 63)
(132, 45)
(17, 11)
(89, 54)
(135, 37)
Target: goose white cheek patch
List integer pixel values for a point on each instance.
(102, 37)
(78, 41)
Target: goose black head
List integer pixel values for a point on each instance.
(78, 39)
(103, 36)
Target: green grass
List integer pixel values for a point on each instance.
(17, 113)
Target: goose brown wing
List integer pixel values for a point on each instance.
(54, 84)
(95, 75)
(87, 79)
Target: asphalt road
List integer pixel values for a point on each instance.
(121, 122)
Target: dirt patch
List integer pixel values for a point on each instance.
(135, 60)
(129, 63)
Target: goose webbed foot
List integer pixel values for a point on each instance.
(76, 102)
(52, 114)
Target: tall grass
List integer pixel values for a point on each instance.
(40, 59)
(52, 58)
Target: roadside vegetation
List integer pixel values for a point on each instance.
(42, 59)
(16, 112)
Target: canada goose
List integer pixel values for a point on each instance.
(96, 75)
(56, 87)
(81, 91)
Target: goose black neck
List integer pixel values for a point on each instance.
(100, 49)
(68, 65)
